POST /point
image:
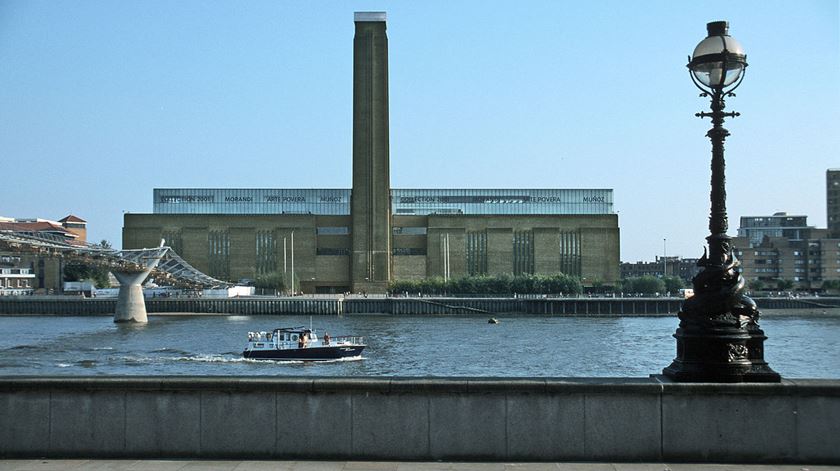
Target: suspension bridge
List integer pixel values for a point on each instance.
(130, 267)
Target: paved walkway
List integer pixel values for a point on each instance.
(172, 465)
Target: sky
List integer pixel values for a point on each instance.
(102, 101)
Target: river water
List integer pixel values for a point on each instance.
(798, 346)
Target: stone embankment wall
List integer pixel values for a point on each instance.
(54, 305)
(634, 419)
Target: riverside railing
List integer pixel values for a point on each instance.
(301, 305)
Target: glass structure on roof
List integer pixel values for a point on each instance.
(409, 202)
(251, 201)
(501, 201)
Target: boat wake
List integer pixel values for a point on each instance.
(170, 350)
(213, 358)
(35, 348)
(239, 359)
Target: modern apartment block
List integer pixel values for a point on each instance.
(359, 239)
(832, 200)
(788, 249)
(756, 228)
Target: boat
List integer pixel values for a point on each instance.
(300, 343)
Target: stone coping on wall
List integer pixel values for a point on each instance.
(653, 385)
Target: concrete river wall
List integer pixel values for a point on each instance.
(495, 419)
(57, 305)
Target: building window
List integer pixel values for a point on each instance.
(477, 253)
(409, 251)
(172, 238)
(570, 253)
(336, 230)
(266, 252)
(332, 251)
(219, 254)
(409, 230)
(523, 252)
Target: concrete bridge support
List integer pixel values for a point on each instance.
(131, 306)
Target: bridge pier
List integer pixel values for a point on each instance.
(131, 305)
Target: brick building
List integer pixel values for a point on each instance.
(359, 239)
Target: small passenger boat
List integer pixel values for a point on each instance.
(300, 343)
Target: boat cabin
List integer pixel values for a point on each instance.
(287, 337)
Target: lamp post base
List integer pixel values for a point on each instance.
(724, 349)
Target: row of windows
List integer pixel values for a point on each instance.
(15, 283)
(409, 251)
(337, 230)
(332, 251)
(409, 230)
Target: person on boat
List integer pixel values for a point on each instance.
(326, 338)
(301, 341)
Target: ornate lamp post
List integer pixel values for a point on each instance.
(718, 339)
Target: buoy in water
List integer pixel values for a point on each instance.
(493, 320)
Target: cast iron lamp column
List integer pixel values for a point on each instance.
(718, 339)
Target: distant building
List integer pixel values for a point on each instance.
(47, 272)
(788, 250)
(362, 238)
(75, 225)
(685, 268)
(15, 280)
(832, 200)
(756, 228)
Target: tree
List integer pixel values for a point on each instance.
(643, 284)
(673, 284)
(491, 285)
(757, 285)
(784, 285)
(105, 244)
(273, 281)
(832, 285)
(78, 271)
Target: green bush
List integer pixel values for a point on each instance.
(673, 283)
(273, 280)
(783, 284)
(503, 284)
(756, 285)
(831, 285)
(77, 271)
(643, 284)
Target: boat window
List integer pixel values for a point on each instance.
(294, 337)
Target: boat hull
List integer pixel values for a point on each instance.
(306, 354)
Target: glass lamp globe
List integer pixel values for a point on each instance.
(719, 60)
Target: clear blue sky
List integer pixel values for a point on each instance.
(102, 101)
